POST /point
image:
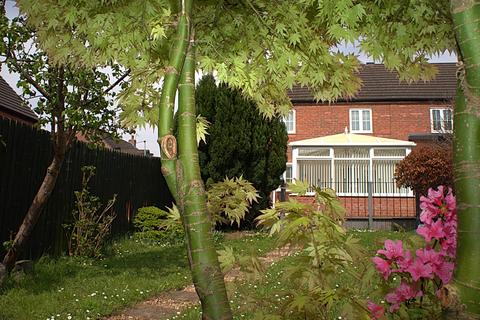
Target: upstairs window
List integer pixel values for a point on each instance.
(361, 120)
(290, 122)
(441, 120)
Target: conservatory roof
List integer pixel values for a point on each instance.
(350, 139)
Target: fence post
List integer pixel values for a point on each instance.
(283, 192)
(370, 205)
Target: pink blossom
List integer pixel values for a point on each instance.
(430, 256)
(405, 262)
(451, 205)
(394, 299)
(408, 291)
(376, 311)
(435, 260)
(382, 266)
(403, 293)
(394, 249)
(427, 216)
(420, 270)
(445, 271)
(433, 231)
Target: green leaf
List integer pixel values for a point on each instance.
(227, 258)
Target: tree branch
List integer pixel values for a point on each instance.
(107, 90)
(27, 77)
(116, 83)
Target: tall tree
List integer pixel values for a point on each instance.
(241, 142)
(261, 47)
(466, 19)
(70, 100)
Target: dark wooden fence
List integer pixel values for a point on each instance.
(25, 154)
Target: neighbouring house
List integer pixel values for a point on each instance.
(13, 107)
(353, 145)
(118, 145)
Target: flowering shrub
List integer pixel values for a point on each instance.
(420, 277)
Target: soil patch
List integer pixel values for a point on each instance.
(172, 303)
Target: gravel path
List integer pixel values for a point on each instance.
(171, 303)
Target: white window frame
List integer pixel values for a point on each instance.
(294, 121)
(371, 158)
(360, 119)
(442, 122)
(289, 164)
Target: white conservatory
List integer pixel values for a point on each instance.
(350, 163)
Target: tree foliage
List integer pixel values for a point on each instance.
(71, 99)
(229, 200)
(241, 142)
(426, 167)
(324, 250)
(261, 47)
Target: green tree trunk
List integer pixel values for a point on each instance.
(466, 18)
(182, 171)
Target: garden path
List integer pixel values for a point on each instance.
(173, 302)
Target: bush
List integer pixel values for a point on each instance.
(158, 225)
(426, 167)
(91, 224)
(416, 282)
(229, 200)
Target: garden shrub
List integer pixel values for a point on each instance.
(152, 223)
(91, 220)
(426, 167)
(417, 282)
(229, 200)
(241, 142)
(324, 249)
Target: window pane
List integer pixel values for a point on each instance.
(366, 120)
(389, 152)
(288, 174)
(351, 152)
(355, 120)
(447, 120)
(317, 152)
(436, 120)
(315, 172)
(351, 176)
(290, 121)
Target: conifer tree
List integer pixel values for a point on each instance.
(241, 142)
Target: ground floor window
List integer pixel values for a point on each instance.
(351, 170)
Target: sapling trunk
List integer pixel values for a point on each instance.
(34, 212)
(206, 273)
(61, 142)
(466, 18)
(180, 167)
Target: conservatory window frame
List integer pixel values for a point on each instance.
(371, 158)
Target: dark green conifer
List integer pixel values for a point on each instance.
(240, 140)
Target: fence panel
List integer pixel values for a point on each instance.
(24, 158)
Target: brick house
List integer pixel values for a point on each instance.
(13, 107)
(352, 145)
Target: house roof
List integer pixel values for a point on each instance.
(378, 84)
(121, 145)
(12, 103)
(350, 139)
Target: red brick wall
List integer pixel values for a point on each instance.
(383, 207)
(395, 120)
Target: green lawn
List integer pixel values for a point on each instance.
(268, 292)
(78, 288)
